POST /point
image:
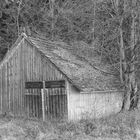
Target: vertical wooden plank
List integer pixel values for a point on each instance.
(68, 98)
(57, 107)
(50, 102)
(52, 96)
(52, 99)
(6, 89)
(11, 83)
(37, 108)
(59, 100)
(18, 81)
(8, 84)
(52, 72)
(44, 71)
(28, 76)
(25, 76)
(47, 75)
(33, 103)
(34, 77)
(27, 61)
(40, 78)
(37, 76)
(54, 102)
(16, 84)
(35, 71)
(11, 89)
(21, 78)
(1, 88)
(31, 79)
(39, 104)
(66, 105)
(47, 103)
(43, 107)
(63, 101)
(30, 103)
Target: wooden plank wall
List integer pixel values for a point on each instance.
(24, 64)
(37, 68)
(11, 87)
(56, 103)
(93, 105)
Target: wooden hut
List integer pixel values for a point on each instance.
(45, 79)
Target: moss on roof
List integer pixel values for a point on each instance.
(69, 60)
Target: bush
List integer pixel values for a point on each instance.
(124, 125)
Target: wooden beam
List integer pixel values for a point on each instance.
(47, 84)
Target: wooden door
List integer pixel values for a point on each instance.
(55, 103)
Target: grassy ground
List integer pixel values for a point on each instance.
(122, 126)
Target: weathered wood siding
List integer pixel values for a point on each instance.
(95, 105)
(25, 63)
(11, 84)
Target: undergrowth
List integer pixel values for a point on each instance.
(123, 126)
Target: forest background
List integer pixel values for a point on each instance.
(108, 29)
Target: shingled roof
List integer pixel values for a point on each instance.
(79, 71)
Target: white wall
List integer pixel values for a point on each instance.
(93, 105)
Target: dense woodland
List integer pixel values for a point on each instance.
(110, 27)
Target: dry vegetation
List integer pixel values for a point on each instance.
(122, 126)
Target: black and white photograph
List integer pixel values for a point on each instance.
(69, 69)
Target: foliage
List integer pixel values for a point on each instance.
(111, 27)
(65, 20)
(125, 125)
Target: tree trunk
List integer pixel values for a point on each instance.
(93, 29)
(123, 74)
(122, 55)
(133, 82)
(130, 97)
(52, 16)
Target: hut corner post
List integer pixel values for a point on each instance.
(43, 101)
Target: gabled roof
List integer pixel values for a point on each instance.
(81, 73)
(70, 61)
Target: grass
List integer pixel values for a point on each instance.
(121, 126)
